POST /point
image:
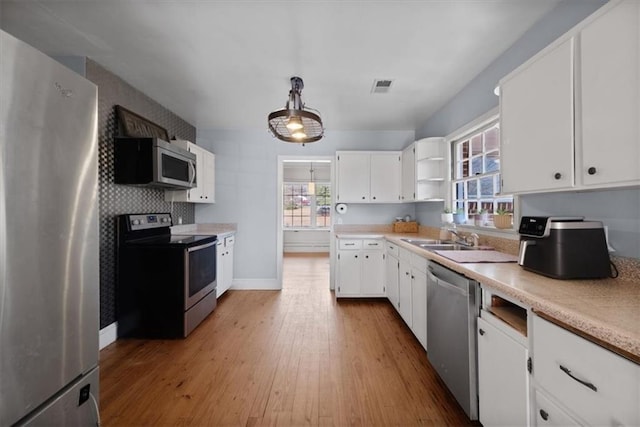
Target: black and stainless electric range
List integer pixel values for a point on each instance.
(166, 283)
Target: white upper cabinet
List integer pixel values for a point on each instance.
(569, 116)
(368, 176)
(610, 91)
(536, 123)
(409, 174)
(204, 191)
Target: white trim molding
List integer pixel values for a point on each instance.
(108, 335)
(257, 284)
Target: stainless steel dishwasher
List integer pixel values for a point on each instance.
(452, 309)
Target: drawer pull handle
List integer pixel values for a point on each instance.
(481, 331)
(583, 382)
(349, 244)
(544, 414)
(372, 244)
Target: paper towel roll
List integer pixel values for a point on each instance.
(341, 208)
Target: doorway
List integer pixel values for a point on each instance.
(305, 212)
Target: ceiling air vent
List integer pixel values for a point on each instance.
(381, 85)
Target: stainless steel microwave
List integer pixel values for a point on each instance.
(153, 162)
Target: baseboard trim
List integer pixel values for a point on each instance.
(256, 284)
(108, 335)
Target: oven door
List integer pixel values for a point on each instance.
(199, 272)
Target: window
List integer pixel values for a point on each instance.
(304, 210)
(476, 174)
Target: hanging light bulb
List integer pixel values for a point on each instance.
(311, 186)
(299, 134)
(294, 123)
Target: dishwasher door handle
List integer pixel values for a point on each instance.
(446, 285)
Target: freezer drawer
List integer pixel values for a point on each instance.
(75, 406)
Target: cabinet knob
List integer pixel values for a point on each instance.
(406, 273)
(366, 256)
(557, 175)
(544, 414)
(363, 197)
(374, 197)
(413, 277)
(591, 171)
(356, 256)
(481, 331)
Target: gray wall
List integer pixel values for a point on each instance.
(246, 188)
(618, 209)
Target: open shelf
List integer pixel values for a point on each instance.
(510, 313)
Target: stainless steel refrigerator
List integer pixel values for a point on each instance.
(48, 241)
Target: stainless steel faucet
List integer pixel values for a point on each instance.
(469, 240)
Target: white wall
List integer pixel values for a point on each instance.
(246, 192)
(618, 209)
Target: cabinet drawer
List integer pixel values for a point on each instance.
(548, 414)
(597, 385)
(392, 249)
(419, 263)
(373, 244)
(347, 244)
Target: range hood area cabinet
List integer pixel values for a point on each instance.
(568, 116)
(368, 176)
(204, 191)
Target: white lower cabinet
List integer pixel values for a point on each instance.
(597, 387)
(547, 413)
(419, 305)
(392, 270)
(502, 377)
(360, 271)
(412, 290)
(404, 289)
(224, 264)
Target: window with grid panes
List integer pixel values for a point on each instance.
(304, 210)
(476, 174)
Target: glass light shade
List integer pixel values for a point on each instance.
(299, 134)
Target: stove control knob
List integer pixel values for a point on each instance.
(135, 222)
(164, 220)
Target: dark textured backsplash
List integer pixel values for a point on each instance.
(119, 199)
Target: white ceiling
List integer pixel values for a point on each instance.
(227, 64)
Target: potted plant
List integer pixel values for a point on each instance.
(458, 217)
(446, 216)
(503, 219)
(482, 216)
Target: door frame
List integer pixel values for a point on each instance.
(279, 224)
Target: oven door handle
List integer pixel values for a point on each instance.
(206, 245)
(192, 165)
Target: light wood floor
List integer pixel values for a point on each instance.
(294, 357)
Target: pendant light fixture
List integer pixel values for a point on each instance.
(311, 186)
(295, 122)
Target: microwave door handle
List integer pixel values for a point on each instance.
(192, 165)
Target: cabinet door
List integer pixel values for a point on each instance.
(536, 124)
(502, 378)
(196, 194)
(208, 177)
(409, 174)
(419, 306)
(404, 292)
(220, 279)
(353, 177)
(372, 282)
(228, 264)
(385, 177)
(349, 273)
(610, 92)
(391, 273)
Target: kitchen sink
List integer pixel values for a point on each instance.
(438, 245)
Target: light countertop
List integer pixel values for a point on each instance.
(220, 230)
(606, 311)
